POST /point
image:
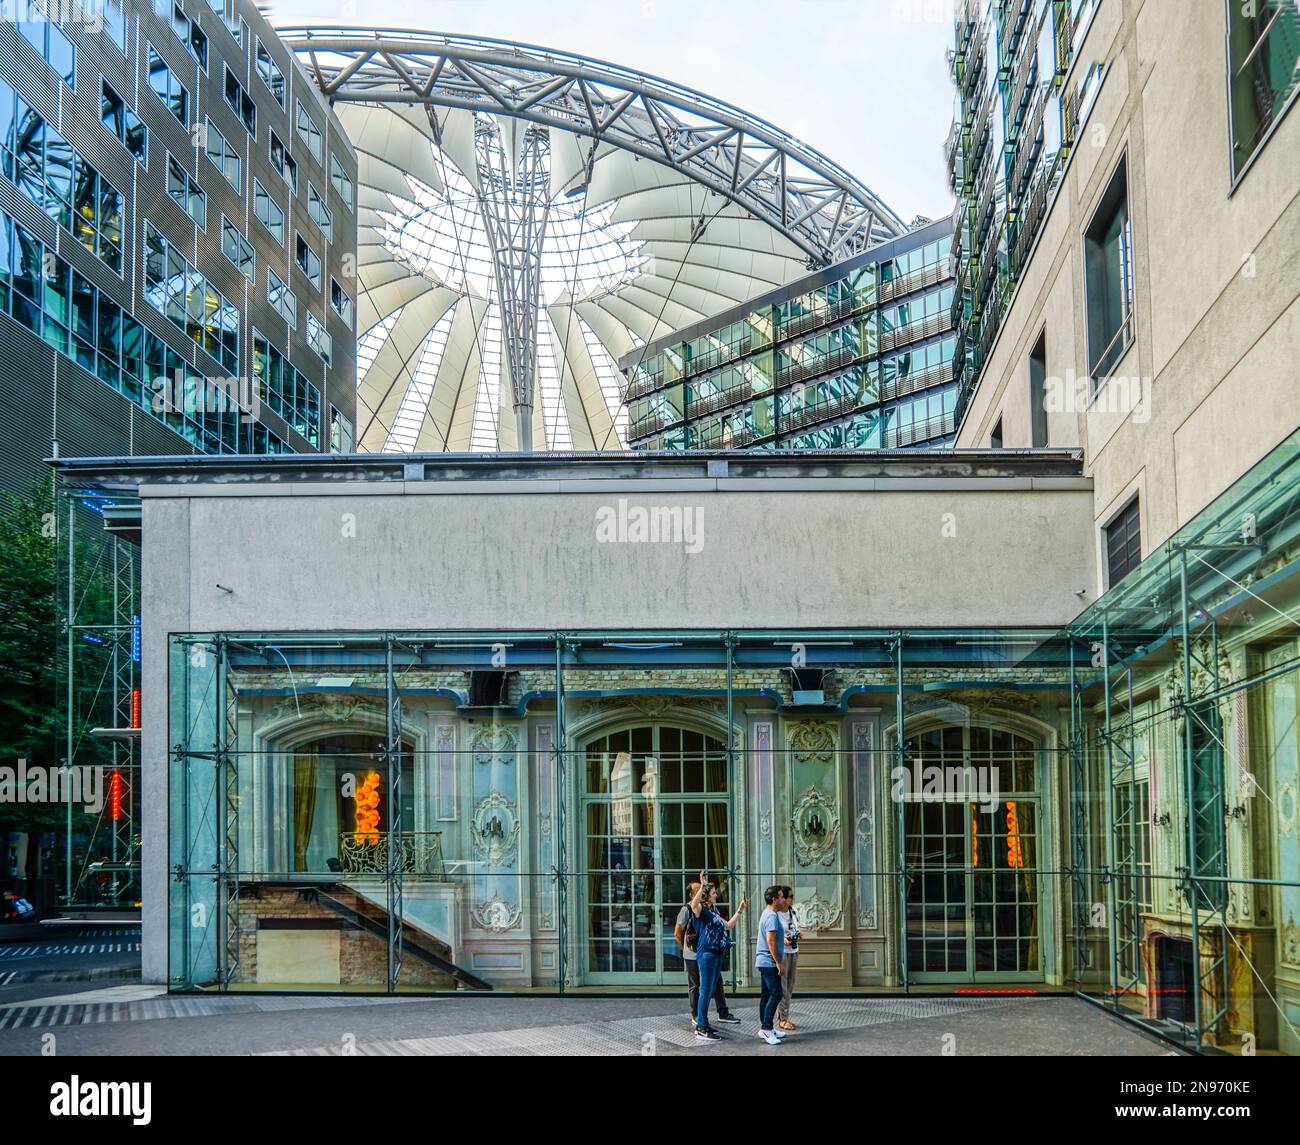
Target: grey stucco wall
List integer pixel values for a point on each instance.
(431, 555)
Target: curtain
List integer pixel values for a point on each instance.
(716, 822)
(304, 804)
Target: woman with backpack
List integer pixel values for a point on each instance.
(712, 940)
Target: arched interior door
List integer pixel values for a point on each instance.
(654, 813)
(974, 905)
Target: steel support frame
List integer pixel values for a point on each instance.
(827, 213)
(1078, 807)
(1211, 976)
(1124, 933)
(119, 635)
(514, 202)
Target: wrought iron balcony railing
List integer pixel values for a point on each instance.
(414, 853)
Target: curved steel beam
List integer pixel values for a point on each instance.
(814, 202)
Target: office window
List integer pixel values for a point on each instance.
(46, 37)
(318, 339)
(225, 11)
(1264, 61)
(1123, 544)
(1108, 279)
(341, 432)
(184, 296)
(114, 23)
(320, 214)
(223, 154)
(123, 124)
(191, 35)
(310, 133)
(307, 261)
(268, 212)
(995, 439)
(1038, 393)
(341, 301)
(342, 184)
(168, 88)
(283, 162)
(187, 194)
(88, 327)
(270, 72)
(281, 387)
(96, 219)
(282, 299)
(236, 248)
(238, 102)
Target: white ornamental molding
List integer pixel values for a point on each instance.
(493, 743)
(1291, 942)
(812, 741)
(1286, 808)
(496, 830)
(816, 913)
(496, 915)
(815, 826)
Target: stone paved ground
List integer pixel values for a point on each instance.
(141, 1020)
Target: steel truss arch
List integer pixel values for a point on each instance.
(817, 205)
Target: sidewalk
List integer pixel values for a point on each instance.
(144, 1020)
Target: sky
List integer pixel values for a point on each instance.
(863, 81)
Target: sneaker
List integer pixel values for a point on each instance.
(706, 1036)
(729, 1018)
(779, 1034)
(769, 1036)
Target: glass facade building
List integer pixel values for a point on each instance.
(858, 356)
(1025, 91)
(1107, 808)
(1021, 105)
(132, 135)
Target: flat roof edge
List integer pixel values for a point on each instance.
(298, 468)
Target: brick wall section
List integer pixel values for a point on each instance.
(363, 957)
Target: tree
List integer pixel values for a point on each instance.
(33, 699)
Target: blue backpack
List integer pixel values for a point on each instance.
(713, 937)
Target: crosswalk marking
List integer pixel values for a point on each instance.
(15, 952)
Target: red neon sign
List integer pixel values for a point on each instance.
(115, 795)
(135, 707)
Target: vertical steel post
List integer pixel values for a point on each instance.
(1189, 768)
(729, 640)
(900, 747)
(70, 618)
(561, 820)
(391, 765)
(1112, 922)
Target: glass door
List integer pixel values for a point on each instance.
(654, 814)
(974, 906)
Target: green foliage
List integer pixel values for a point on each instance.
(33, 700)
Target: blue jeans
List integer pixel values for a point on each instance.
(771, 995)
(710, 966)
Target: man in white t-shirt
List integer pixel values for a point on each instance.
(790, 924)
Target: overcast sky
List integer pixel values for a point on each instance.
(863, 81)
